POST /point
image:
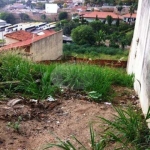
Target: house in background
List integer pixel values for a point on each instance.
(46, 45)
(129, 18)
(91, 16)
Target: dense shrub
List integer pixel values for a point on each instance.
(63, 15)
(83, 34)
(82, 49)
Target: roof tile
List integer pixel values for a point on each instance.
(29, 41)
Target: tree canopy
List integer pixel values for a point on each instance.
(9, 18)
(63, 15)
(83, 34)
(24, 17)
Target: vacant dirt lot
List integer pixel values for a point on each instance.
(41, 122)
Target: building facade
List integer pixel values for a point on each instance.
(139, 57)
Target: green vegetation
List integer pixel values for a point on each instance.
(43, 17)
(15, 125)
(39, 81)
(83, 34)
(8, 17)
(24, 17)
(90, 78)
(97, 32)
(63, 15)
(129, 129)
(34, 78)
(2, 41)
(94, 52)
(95, 145)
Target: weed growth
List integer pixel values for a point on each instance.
(15, 125)
(95, 80)
(38, 80)
(34, 78)
(86, 51)
(129, 128)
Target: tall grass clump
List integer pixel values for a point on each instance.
(39, 80)
(34, 79)
(90, 78)
(129, 128)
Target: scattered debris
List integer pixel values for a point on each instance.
(107, 103)
(13, 102)
(50, 99)
(33, 100)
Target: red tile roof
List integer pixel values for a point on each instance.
(100, 15)
(28, 42)
(20, 35)
(128, 16)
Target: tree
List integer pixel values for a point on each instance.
(24, 17)
(114, 39)
(117, 22)
(129, 36)
(109, 20)
(123, 42)
(83, 34)
(67, 28)
(119, 8)
(9, 18)
(96, 25)
(83, 21)
(63, 15)
(131, 11)
(96, 19)
(43, 17)
(100, 36)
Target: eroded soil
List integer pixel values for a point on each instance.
(41, 122)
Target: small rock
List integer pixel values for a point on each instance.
(57, 122)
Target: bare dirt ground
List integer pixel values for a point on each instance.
(42, 122)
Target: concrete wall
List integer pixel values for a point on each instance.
(49, 48)
(139, 58)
